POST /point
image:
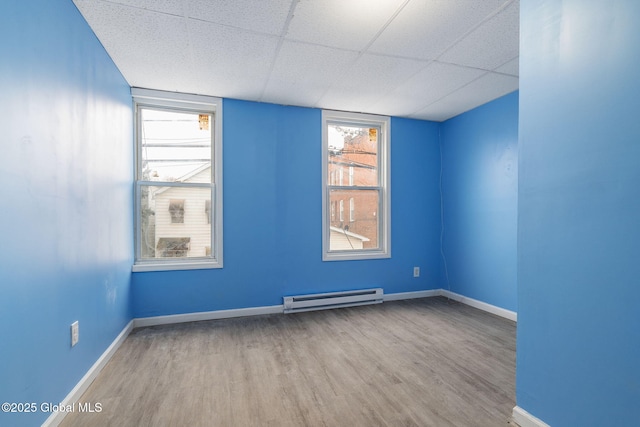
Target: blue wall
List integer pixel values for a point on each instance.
(272, 218)
(579, 213)
(480, 201)
(65, 168)
(67, 216)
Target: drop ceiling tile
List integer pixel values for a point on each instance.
(510, 67)
(302, 73)
(172, 7)
(368, 80)
(229, 62)
(480, 91)
(490, 45)
(425, 29)
(148, 47)
(229, 50)
(341, 24)
(254, 15)
(432, 83)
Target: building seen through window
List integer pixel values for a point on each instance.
(356, 207)
(175, 186)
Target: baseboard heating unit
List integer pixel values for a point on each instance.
(294, 304)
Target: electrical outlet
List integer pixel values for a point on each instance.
(75, 333)
(416, 271)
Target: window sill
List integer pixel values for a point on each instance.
(355, 256)
(173, 266)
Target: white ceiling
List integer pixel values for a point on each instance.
(425, 59)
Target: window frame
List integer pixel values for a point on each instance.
(384, 186)
(156, 99)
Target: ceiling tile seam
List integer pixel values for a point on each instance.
(500, 73)
(364, 50)
(427, 61)
(246, 30)
(190, 40)
(485, 73)
(486, 19)
(384, 95)
(503, 64)
(326, 46)
(385, 26)
(407, 58)
(276, 54)
(467, 67)
(430, 63)
(144, 9)
(194, 18)
(452, 92)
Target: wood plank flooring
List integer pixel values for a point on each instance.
(423, 362)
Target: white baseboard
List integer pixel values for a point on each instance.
(253, 311)
(519, 415)
(525, 419)
(410, 295)
(74, 395)
(276, 309)
(206, 315)
(508, 314)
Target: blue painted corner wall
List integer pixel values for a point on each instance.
(66, 169)
(578, 340)
(272, 218)
(480, 202)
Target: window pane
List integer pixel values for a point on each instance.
(175, 146)
(362, 231)
(175, 222)
(353, 155)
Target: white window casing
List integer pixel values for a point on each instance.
(193, 202)
(369, 198)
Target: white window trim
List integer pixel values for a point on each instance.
(156, 98)
(384, 171)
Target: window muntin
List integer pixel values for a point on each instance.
(178, 186)
(357, 144)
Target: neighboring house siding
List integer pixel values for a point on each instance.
(341, 241)
(195, 225)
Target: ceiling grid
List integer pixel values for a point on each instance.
(424, 59)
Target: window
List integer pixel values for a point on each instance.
(178, 188)
(352, 210)
(359, 142)
(176, 210)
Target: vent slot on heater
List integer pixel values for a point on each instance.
(294, 304)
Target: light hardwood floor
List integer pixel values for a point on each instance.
(423, 362)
